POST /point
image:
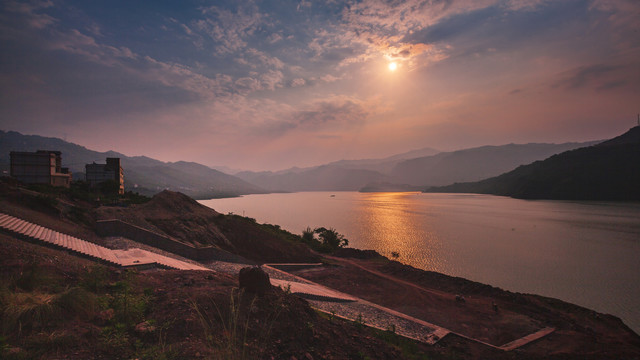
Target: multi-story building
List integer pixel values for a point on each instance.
(40, 167)
(100, 173)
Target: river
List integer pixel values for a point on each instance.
(586, 253)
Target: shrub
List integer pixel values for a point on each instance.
(331, 238)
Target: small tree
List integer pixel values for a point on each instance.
(308, 235)
(331, 238)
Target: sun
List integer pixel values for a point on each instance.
(393, 66)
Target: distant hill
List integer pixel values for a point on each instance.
(342, 175)
(607, 171)
(473, 164)
(321, 178)
(142, 174)
(403, 172)
(384, 165)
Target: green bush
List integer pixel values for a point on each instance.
(130, 306)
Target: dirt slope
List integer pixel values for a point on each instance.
(184, 219)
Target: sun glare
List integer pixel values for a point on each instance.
(393, 66)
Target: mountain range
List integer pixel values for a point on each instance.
(413, 170)
(406, 171)
(142, 174)
(609, 171)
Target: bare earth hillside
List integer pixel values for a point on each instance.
(56, 305)
(184, 219)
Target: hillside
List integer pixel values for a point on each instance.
(473, 164)
(607, 171)
(184, 219)
(58, 306)
(142, 174)
(322, 178)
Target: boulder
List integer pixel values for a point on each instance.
(254, 280)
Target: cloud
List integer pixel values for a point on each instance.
(274, 38)
(528, 5)
(598, 76)
(303, 4)
(247, 85)
(262, 58)
(297, 82)
(150, 69)
(30, 10)
(229, 29)
(75, 42)
(329, 78)
(336, 112)
(271, 80)
(622, 13)
(183, 77)
(143, 67)
(378, 28)
(332, 114)
(186, 29)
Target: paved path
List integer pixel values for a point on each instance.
(527, 339)
(316, 291)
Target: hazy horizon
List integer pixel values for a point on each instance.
(234, 170)
(272, 85)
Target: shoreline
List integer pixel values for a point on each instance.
(266, 215)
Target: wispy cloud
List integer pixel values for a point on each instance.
(31, 11)
(339, 111)
(298, 82)
(600, 77)
(229, 29)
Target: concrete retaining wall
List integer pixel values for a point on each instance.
(120, 228)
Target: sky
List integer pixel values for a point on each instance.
(266, 85)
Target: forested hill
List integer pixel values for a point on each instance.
(607, 171)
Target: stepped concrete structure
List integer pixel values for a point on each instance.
(125, 258)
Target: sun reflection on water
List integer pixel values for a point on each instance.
(391, 227)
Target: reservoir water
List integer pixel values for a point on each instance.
(587, 253)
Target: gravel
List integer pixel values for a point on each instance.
(372, 316)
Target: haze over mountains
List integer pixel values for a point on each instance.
(405, 172)
(412, 170)
(142, 174)
(607, 171)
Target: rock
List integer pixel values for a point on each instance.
(254, 280)
(144, 328)
(105, 316)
